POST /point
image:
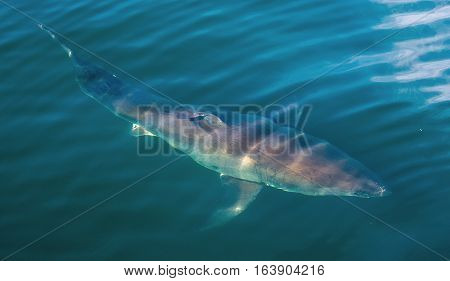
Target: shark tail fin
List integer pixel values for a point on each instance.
(58, 38)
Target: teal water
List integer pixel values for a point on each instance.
(388, 107)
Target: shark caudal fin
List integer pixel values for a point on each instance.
(93, 78)
(98, 79)
(60, 40)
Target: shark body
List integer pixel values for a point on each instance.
(249, 151)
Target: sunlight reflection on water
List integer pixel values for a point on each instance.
(408, 57)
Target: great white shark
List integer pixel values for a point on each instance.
(249, 152)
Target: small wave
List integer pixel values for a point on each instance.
(402, 20)
(414, 59)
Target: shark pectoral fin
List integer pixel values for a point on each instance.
(137, 131)
(238, 195)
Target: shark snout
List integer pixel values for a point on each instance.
(371, 188)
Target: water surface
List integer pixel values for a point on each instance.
(387, 106)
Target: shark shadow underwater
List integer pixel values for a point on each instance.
(249, 152)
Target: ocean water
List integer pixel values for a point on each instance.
(376, 74)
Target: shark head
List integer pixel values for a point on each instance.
(323, 170)
(369, 186)
(356, 180)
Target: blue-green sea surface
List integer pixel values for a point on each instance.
(378, 81)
